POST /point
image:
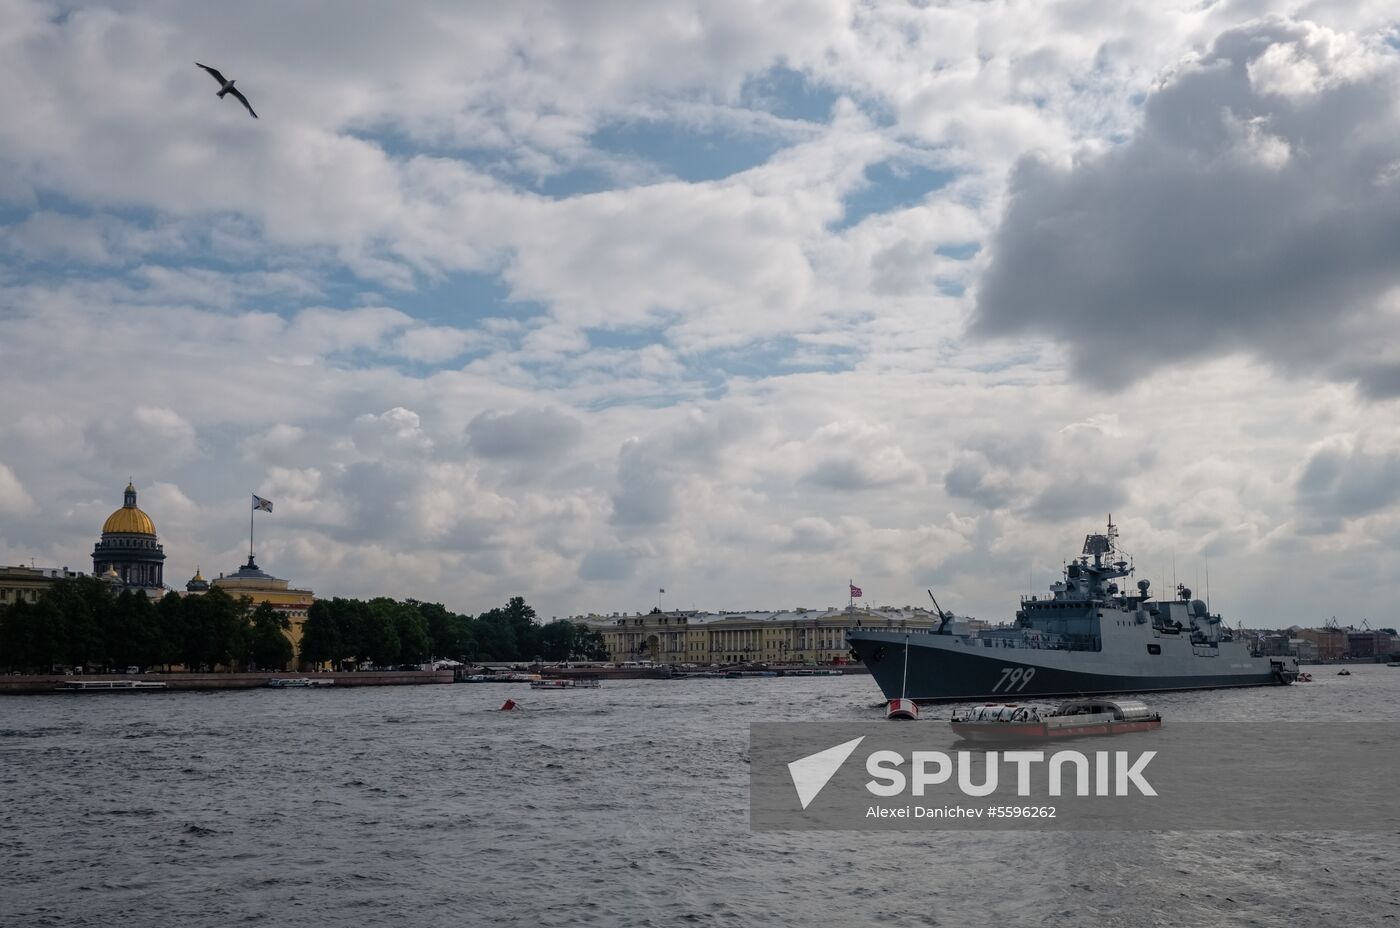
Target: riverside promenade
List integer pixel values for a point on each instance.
(29, 684)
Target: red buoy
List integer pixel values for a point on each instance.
(905, 709)
(507, 705)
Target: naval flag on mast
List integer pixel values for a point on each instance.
(260, 504)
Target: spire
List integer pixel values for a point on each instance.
(130, 501)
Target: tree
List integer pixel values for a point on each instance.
(590, 645)
(320, 634)
(213, 629)
(268, 645)
(449, 634)
(562, 640)
(14, 635)
(85, 605)
(557, 640)
(527, 631)
(415, 644)
(495, 637)
(170, 617)
(379, 633)
(131, 631)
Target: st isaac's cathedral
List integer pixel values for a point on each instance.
(129, 551)
(130, 556)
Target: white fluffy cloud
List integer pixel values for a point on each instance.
(473, 345)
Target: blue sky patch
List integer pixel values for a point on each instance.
(961, 251)
(892, 185)
(789, 94)
(691, 153)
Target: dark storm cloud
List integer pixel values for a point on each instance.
(1257, 210)
(1340, 482)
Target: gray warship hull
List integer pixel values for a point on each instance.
(1089, 637)
(957, 667)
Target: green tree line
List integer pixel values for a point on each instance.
(79, 623)
(340, 632)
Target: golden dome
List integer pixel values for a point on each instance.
(129, 520)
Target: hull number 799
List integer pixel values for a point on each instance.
(1013, 679)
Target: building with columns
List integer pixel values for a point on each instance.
(260, 587)
(800, 636)
(129, 550)
(27, 584)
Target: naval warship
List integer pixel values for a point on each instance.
(1088, 637)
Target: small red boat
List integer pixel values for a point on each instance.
(1078, 718)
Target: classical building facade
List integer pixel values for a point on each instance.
(800, 636)
(27, 584)
(130, 550)
(261, 587)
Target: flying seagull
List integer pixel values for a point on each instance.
(226, 86)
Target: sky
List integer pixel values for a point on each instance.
(583, 301)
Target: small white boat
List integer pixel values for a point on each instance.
(1076, 718)
(283, 683)
(902, 709)
(565, 684)
(109, 686)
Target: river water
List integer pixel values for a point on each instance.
(622, 806)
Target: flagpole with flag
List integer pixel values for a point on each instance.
(259, 504)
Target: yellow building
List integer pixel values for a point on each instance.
(261, 587)
(801, 636)
(29, 583)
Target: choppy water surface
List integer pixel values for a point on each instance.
(626, 805)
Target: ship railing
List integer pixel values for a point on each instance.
(1061, 643)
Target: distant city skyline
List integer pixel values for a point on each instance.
(583, 302)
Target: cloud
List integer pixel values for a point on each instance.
(536, 433)
(391, 433)
(566, 299)
(1249, 213)
(850, 456)
(1343, 479)
(14, 500)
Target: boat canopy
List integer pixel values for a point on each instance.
(1120, 709)
(1002, 713)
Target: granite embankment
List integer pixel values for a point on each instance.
(19, 684)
